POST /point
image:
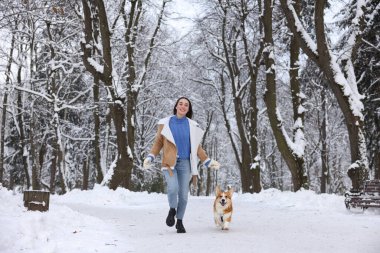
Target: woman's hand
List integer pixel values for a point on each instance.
(214, 165)
(211, 164)
(148, 162)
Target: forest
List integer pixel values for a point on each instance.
(287, 92)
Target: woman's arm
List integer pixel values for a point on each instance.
(158, 142)
(202, 154)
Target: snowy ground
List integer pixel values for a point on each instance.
(120, 221)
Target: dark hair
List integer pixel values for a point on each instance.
(189, 114)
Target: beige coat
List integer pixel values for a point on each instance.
(164, 140)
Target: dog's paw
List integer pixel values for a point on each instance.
(225, 226)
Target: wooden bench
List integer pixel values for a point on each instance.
(368, 196)
(37, 200)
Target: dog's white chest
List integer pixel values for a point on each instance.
(220, 214)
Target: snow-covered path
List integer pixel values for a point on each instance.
(260, 224)
(120, 221)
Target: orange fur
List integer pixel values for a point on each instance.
(223, 207)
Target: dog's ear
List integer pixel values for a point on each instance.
(217, 190)
(231, 190)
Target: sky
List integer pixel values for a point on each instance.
(106, 221)
(182, 13)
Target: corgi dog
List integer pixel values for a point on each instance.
(223, 207)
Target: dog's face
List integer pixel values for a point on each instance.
(223, 199)
(223, 207)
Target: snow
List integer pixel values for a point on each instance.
(98, 67)
(108, 176)
(298, 146)
(309, 41)
(105, 221)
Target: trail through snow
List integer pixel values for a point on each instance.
(271, 221)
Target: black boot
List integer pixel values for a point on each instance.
(170, 219)
(179, 226)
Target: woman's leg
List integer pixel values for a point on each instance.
(183, 175)
(172, 188)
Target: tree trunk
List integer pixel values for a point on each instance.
(41, 155)
(131, 26)
(61, 166)
(35, 166)
(57, 159)
(4, 109)
(297, 101)
(96, 143)
(53, 168)
(324, 151)
(253, 68)
(108, 123)
(377, 166)
(20, 123)
(124, 163)
(57, 163)
(86, 172)
(211, 154)
(36, 160)
(2, 134)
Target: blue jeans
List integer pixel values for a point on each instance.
(178, 186)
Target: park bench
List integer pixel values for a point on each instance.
(36, 200)
(368, 196)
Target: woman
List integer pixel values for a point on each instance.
(179, 137)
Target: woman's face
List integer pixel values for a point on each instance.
(182, 107)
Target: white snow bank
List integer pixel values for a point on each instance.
(61, 229)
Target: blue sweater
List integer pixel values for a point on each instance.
(181, 132)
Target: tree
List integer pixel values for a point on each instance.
(103, 71)
(340, 76)
(95, 17)
(237, 61)
(4, 106)
(291, 151)
(368, 76)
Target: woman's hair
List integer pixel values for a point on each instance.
(189, 114)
